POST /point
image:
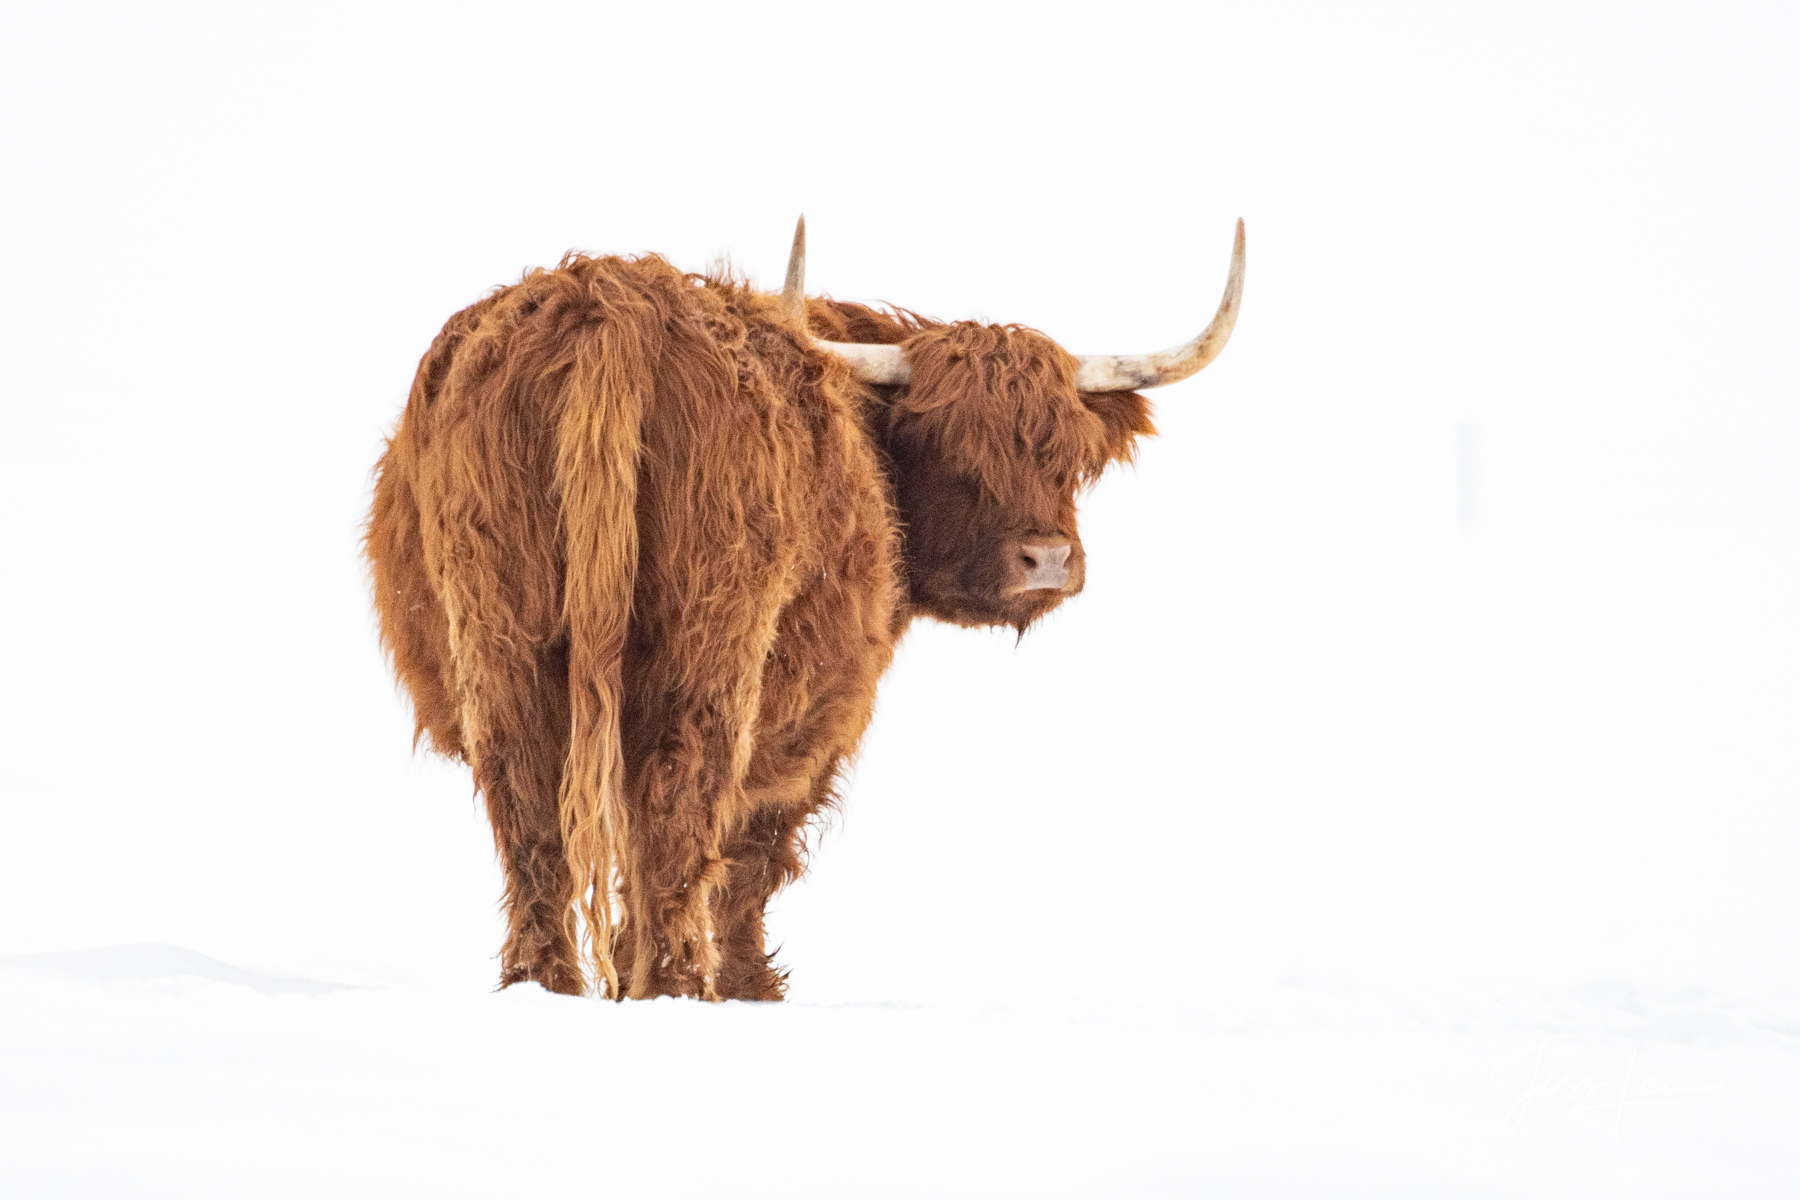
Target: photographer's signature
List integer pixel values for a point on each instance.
(1588, 1093)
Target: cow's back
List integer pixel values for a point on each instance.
(738, 408)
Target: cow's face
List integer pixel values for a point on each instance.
(991, 443)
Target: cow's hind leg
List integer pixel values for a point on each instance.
(496, 581)
(764, 856)
(703, 619)
(487, 697)
(685, 760)
(519, 774)
(518, 714)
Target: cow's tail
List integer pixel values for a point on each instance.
(599, 434)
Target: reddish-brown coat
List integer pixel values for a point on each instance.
(641, 553)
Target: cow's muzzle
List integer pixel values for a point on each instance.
(1042, 564)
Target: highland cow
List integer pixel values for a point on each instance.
(643, 543)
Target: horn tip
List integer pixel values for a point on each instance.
(793, 290)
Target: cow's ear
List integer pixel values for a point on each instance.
(1126, 416)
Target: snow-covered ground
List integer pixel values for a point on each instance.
(1408, 807)
(151, 1071)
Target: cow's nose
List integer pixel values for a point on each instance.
(1046, 564)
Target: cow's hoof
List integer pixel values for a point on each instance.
(563, 980)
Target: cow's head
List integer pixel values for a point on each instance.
(992, 431)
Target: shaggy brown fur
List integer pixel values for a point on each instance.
(641, 552)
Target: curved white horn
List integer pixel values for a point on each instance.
(1130, 372)
(870, 362)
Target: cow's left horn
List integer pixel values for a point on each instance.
(1130, 372)
(793, 292)
(870, 362)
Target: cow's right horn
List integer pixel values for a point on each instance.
(1129, 372)
(870, 362)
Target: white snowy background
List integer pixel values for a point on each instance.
(1407, 808)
